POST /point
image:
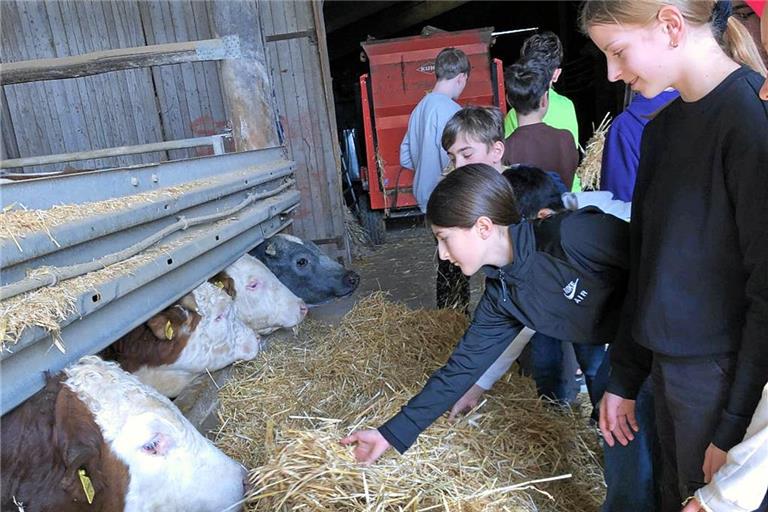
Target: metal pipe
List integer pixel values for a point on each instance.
(516, 31)
(211, 140)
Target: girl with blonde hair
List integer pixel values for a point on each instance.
(696, 312)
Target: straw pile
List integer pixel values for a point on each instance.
(591, 166)
(17, 221)
(283, 415)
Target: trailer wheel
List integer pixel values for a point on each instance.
(372, 221)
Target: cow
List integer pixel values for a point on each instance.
(305, 269)
(201, 332)
(261, 300)
(96, 439)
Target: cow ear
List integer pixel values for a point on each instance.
(271, 250)
(161, 326)
(78, 442)
(188, 302)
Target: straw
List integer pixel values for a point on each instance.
(283, 414)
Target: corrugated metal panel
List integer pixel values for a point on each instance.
(306, 116)
(119, 302)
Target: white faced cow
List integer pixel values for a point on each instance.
(201, 333)
(96, 439)
(261, 300)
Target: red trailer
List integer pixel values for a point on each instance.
(401, 73)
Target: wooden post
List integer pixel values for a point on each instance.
(245, 82)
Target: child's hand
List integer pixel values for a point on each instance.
(693, 506)
(764, 89)
(466, 403)
(370, 445)
(617, 419)
(714, 457)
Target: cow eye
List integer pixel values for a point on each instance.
(151, 447)
(302, 262)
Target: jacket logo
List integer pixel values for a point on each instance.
(571, 292)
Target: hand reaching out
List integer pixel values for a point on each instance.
(467, 402)
(370, 445)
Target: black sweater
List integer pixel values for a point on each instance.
(567, 280)
(699, 245)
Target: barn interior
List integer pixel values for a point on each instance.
(303, 61)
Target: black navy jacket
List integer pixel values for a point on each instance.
(567, 280)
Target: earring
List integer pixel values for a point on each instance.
(673, 44)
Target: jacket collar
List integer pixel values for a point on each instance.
(524, 246)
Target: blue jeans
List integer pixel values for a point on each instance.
(547, 362)
(629, 470)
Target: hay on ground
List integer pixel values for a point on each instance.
(283, 414)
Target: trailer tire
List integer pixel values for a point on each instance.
(372, 221)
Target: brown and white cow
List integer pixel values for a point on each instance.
(96, 427)
(200, 333)
(261, 300)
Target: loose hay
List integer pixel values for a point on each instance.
(283, 415)
(591, 166)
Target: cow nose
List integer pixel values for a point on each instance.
(352, 279)
(303, 309)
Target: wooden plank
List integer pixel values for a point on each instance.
(287, 66)
(186, 82)
(246, 86)
(156, 22)
(8, 145)
(218, 117)
(334, 178)
(309, 92)
(141, 97)
(111, 60)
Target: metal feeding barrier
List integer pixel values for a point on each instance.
(203, 213)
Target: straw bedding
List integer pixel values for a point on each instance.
(283, 415)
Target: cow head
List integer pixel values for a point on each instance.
(305, 269)
(262, 301)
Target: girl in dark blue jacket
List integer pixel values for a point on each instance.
(563, 276)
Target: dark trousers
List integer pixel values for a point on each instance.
(630, 470)
(452, 287)
(547, 361)
(690, 395)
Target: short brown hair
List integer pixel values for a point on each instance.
(482, 124)
(450, 63)
(470, 192)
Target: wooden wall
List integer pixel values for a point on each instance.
(298, 57)
(175, 101)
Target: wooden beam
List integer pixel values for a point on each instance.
(112, 60)
(245, 82)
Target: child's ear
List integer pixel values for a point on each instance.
(544, 101)
(497, 150)
(672, 23)
(484, 226)
(555, 76)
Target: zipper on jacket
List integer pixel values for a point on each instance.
(503, 286)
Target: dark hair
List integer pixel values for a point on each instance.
(547, 48)
(526, 81)
(481, 124)
(470, 192)
(450, 63)
(534, 190)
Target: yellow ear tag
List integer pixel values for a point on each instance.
(218, 284)
(87, 485)
(168, 330)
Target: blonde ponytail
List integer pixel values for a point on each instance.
(738, 44)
